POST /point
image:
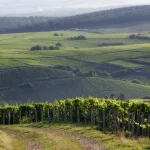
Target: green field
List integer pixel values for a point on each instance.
(101, 70)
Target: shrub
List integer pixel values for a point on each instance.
(25, 120)
(38, 47)
(56, 47)
(58, 44)
(56, 34)
(45, 48)
(51, 48)
(136, 81)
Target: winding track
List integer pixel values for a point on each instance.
(53, 139)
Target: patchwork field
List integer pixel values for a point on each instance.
(98, 66)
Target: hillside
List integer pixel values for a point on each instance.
(99, 66)
(108, 19)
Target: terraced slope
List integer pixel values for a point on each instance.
(93, 67)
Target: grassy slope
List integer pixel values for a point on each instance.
(109, 140)
(84, 55)
(42, 139)
(11, 142)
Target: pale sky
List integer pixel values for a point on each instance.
(27, 6)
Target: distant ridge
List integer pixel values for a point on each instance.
(105, 18)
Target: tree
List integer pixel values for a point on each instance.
(121, 97)
(51, 48)
(58, 44)
(38, 47)
(45, 48)
(112, 96)
(56, 47)
(56, 34)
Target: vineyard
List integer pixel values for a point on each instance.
(108, 115)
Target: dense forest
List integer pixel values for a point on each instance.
(105, 18)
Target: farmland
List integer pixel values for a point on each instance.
(94, 70)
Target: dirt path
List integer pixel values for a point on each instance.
(31, 144)
(87, 143)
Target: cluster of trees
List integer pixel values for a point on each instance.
(103, 18)
(138, 36)
(56, 34)
(113, 96)
(81, 37)
(110, 44)
(38, 47)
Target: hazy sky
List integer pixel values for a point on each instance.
(25, 6)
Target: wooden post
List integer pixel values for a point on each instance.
(30, 115)
(9, 117)
(36, 118)
(98, 118)
(133, 120)
(58, 113)
(149, 124)
(122, 118)
(78, 115)
(48, 114)
(109, 119)
(26, 114)
(3, 118)
(71, 118)
(104, 121)
(118, 119)
(92, 118)
(65, 115)
(142, 123)
(20, 116)
(128, 121)
(138, 121)
(115, 121)
(41, 114)
(85, 117)
(13, 117)
(53, 114)
(149, 118)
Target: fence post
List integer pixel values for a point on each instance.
(128, 121)
(149, 124)
(53, 114)
(9, 117)
(36, 119)
(48, 115)
(118, 118)
(138, 121)
(20, 116)
(30, 115)
(122, 117)
(104, 122)
(85, 117)
(78, 115)
(133, 121)
(3, 118)
(41, 114)
(58, 113)
(71, 120)
(98, 118)
(142, 123)
(13, 117)
(109, 119)
(92, 118)
(115, 121)
(65, 116)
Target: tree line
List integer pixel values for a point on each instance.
(103, 18)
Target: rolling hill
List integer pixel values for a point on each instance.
(98, 66)
(125, 19)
